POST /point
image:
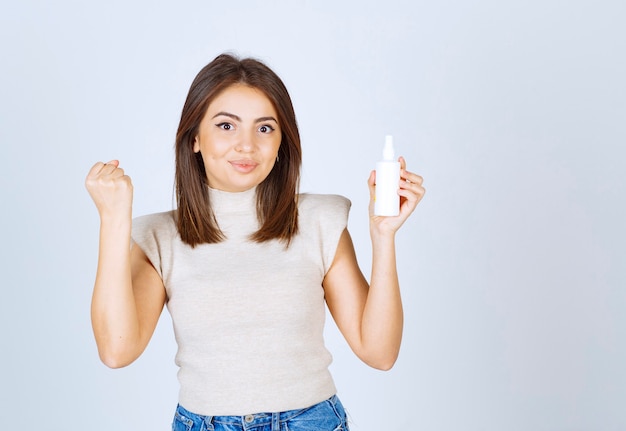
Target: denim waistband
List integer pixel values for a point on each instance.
(251, 420)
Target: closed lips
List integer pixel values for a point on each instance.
(243, 163)
(244, 166)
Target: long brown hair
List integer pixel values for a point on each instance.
(276, 196)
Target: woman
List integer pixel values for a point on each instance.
(244, 264)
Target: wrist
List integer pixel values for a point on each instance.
(382, 236)
(115, 221)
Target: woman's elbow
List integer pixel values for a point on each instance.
(382, 362)
(383, 365)
(114, 363)
(115, 358)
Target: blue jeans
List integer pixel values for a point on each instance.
(328, 415)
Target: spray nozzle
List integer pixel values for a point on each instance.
(388, 152)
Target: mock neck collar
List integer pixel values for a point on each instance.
(231, 202)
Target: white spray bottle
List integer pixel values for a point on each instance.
(387, 200)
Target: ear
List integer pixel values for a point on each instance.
(196, 145)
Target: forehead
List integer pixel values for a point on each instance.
(242, 100)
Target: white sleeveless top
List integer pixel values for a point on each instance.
(248, 317)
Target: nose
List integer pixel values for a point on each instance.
(246, 142)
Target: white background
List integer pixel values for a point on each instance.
(513, 267)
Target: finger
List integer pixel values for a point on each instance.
(99, 167)
(127, 180)
(118, 173)
(112, 168)
(411, 178)
(95, 170)
(371, 183)
(407, 207)
(402, 163)
(406, 175)
(413, 195)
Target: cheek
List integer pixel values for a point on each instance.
(274, 147)
(215, 149)
(270, 150)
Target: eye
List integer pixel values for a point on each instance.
(225, 126)
(266, 128)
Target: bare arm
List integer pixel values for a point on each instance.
(370, 316)
(128, 294)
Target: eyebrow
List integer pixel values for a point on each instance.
(238, 118)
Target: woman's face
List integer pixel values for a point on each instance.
(238, 139)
